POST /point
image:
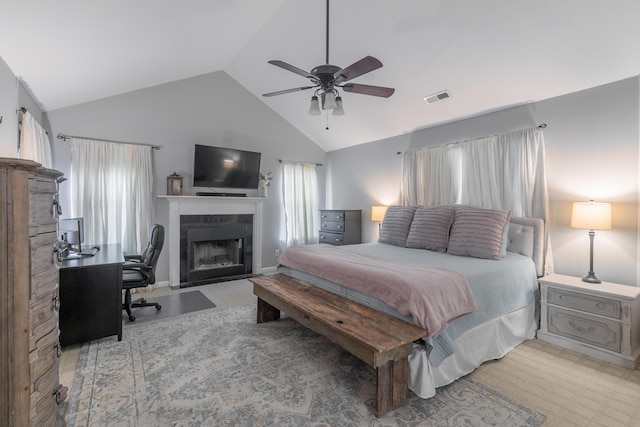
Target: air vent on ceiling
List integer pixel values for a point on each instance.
(437, 97)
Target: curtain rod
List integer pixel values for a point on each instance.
(540, 126)
(299, 161)
(65, 137)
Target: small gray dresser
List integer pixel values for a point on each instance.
(601, 320)
(340, 227)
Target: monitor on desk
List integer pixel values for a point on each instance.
(72, 231)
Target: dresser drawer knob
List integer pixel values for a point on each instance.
(56, 303)
(60, 393)
(562, 297)
(58, 350)
(599, 305)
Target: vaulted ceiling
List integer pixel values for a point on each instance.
(488, 55)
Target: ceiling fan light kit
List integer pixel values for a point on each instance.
(327, 78)
(329, 101)
(314, 109)
(338, 111)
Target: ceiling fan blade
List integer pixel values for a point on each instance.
(293, 69)
(282, 92)
(384, 92)
(358, 68)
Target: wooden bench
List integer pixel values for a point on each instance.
(376, 338)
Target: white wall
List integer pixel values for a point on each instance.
(592, 151)
(212, 109)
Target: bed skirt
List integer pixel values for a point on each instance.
(488, 341)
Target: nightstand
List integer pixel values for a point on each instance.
(600, 320)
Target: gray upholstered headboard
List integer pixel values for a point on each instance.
(526, 237)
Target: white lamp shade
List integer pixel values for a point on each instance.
(377, 212)
(338, 111)
(314, 108)
(591, 216)
(329, 101)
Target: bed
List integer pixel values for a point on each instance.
(500, 258)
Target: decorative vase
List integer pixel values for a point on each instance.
(263, 191)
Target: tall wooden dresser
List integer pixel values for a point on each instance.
(30, 391)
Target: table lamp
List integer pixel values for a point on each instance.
(377, 213)
(591, 216)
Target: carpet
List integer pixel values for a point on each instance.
(172, 305)
(220, 368)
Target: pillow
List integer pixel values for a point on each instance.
(477, 232)
(430, 228)
(395, 225)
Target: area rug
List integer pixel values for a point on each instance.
(172, 305)
(220, 368)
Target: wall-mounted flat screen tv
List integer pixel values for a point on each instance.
(225, 167)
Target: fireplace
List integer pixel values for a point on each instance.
(210, 212)
(215, 248)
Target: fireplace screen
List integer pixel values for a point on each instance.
(209, 255)
(214, 252)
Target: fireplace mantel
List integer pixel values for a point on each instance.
(203, 205)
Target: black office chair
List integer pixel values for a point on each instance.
(139, 271)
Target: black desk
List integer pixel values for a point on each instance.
(91, 296)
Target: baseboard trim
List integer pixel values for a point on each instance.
(266, 271)
(269, 270)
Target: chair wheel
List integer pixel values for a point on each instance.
(158, 306)
(132, 318)
(142, 301)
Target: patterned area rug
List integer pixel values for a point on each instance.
(219, 368)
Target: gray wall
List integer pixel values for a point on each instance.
(592, 143)
(12, 97)
(592, 152)
(212, 109)
(8, 100)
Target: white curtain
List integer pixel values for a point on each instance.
(111, 188)
(34, 141)
(300, 197)
(504, 171)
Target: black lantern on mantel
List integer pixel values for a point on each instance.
(174, 185)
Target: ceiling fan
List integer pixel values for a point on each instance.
(326, 78)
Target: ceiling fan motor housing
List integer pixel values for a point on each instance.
(325, 73)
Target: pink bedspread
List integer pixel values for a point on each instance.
(432, 296)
